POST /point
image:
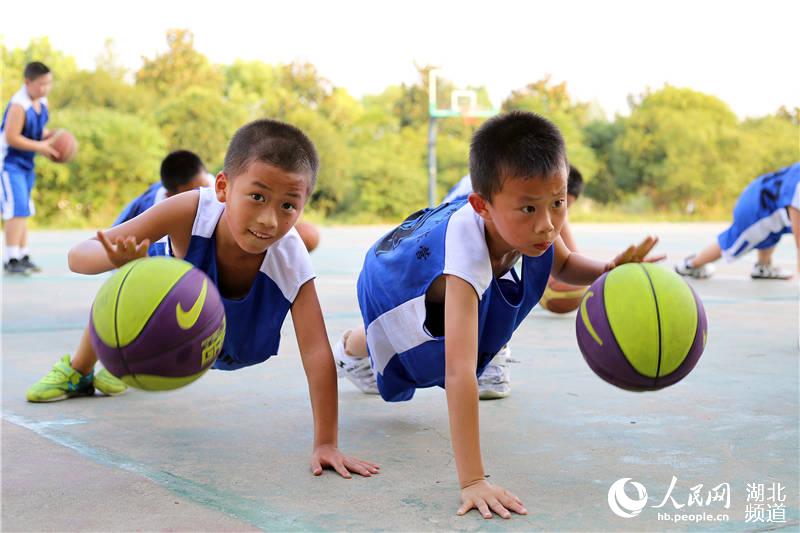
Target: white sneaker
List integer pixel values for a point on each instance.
(356, 369)
(495, 382)
(685, 269)
(769, 272)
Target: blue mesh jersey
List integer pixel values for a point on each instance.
(760, 216)
(153, 195)
(33, 129)
(253, 329)
(399, 268)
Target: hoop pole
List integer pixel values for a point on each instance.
(432, 130)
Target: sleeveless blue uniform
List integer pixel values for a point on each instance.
(253, 329)
(153, 195)
(761, 215)
(399, 268)
(16, 166)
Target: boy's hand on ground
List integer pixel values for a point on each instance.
(486, 498)
(328, 455)
(637, 254)
(124, 249)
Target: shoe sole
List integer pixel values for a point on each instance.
(493, 395)
(65, 396)
(104, 393)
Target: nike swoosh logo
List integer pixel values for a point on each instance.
(187, 319)
(585, 318)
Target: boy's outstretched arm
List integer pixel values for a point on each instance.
(461, 386)
(794, 216)
(578, 269)
(114, 247)
(315, 351)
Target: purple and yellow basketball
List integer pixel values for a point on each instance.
(158, 323)
(641, 327)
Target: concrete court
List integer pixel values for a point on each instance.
(231, 451)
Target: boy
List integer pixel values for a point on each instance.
(495, 381)
(240, 234)
(22, 135)
(463, 187)
(180, 171)
(183, 171)
(766, 209)
(439, 294)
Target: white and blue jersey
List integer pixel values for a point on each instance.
(761, 214)
(17, 176)
(253, 323)
(153, 195)
(32, 129)
(399, 268)
(459, 191)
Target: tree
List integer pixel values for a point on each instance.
(680, 145)
(553, 102)
(119, 155)
(12, 65)
(179, 69)
(201, 120)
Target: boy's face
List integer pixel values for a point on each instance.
(527, 214)
(40, 87)
(262, 204)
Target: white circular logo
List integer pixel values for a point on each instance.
(621, 504)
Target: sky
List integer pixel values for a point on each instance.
(745, 53)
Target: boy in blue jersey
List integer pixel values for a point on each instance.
(495, 381)
(241, 234)
(180, 171)
(22, 135)
(440, 295)
(766, 209)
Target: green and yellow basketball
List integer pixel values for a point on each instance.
(641, 327)
(158, 323)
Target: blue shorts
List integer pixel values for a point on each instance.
(17, 185)
(753, 226)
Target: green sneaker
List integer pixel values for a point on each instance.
(108, 383)
(61, 383)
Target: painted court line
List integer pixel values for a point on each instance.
(233, 505)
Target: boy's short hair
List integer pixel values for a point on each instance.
(516, 144)
(273, 142)
(575, 182)
(179, 167)
(35, 69)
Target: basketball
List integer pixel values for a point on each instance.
(560, 297)
(157, 323)
(65, 144)
(641, 327)
(309, 233)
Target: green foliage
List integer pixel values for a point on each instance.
(12, 65)
(554, 103)
(201, 120)
(118, 157)
(680, 146)
(677, 145)
(180, 68)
